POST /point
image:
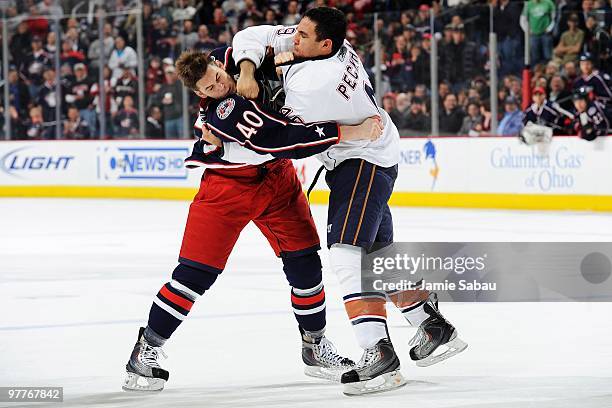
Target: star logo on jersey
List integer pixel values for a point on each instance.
(225, 108)
(319, 131)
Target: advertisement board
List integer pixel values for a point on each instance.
(449, 171)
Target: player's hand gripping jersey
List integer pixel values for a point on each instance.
(335, 88)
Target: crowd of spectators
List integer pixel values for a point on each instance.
(560, 32)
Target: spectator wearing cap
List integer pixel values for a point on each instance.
(451, 116)
(47, 97)
(205, 43)
(541, 111)
(75, 127)
(473, 122)
(78, 95)
(107, 44)
(33, 66)
(512, 121)
(421, 20)
(571, 41)
(122, 56)
(506, 17)
(169, 99)
(594, 80)
(460, 60)
(126, 120)
(416, 120)
(539, 18)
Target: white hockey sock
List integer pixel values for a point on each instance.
(415, 314)
(366, 310)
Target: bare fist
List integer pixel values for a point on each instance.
(370, 129)
(247, 87)
(283, 57)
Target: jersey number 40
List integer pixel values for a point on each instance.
(252, 119)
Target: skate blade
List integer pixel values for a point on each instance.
(454, 347)
(382, 383)
(135, 382)
(330, 374)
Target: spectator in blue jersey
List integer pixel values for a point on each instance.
(126, 120)
(512, 122)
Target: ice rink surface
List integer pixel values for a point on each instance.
(77, 278)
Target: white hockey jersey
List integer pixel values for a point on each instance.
(332, 89)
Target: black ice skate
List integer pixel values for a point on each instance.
(377, 371)
(143, 370)
(434, 332)
(322, 360)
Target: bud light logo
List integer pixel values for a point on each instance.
(20, 162)
(142, 163)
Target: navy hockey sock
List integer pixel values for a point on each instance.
(307, 293)
(174, 301)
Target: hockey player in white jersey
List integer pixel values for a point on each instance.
(327, 81)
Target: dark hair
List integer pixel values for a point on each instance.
(330, 24)
(191, 66)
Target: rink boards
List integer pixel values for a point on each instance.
(485, 172)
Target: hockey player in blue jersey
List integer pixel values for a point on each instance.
(589, 118)
(591, 78)
(595, 82)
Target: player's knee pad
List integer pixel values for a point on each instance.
(196, 280)
(345, 261)
(304, 271)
